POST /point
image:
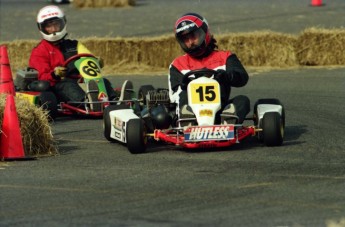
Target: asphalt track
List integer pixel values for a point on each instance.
(94, 182)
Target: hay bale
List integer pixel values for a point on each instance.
(261, 48)
(256, 49)
(321, 47)
(19, 53)
(126, 54)
(34, 127)
(103, 3)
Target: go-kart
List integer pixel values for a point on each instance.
(155, 119)
(89, 78)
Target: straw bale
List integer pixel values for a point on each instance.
(135, 54)
(255, 49)
(34, 126)
(261, 48)
(321, 47)
(103, 3)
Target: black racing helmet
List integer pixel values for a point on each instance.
(192, 22)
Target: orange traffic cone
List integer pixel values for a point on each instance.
(6, 80)
(11, 144)
(316, 3)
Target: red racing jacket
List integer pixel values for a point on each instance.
(236, 75)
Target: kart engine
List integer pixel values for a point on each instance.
(158, 108)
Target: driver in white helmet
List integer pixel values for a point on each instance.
(193, 35)
(50, 54)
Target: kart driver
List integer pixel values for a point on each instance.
(193, 35)
(50, 54)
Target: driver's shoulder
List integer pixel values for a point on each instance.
(70, 41)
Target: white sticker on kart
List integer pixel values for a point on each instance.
(208, 133)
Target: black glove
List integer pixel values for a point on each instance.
(221, 75)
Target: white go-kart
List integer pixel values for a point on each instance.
(152, 117)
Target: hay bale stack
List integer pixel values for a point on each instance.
(103, 3)
(321, 47)
(19, 53)
(147, 54)
(34, 127)
(261, 48)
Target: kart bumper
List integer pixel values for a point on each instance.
(178, 139)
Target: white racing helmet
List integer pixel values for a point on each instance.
(47, 15)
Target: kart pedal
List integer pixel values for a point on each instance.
(92, 93)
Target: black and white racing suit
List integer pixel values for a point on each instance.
(235, 76)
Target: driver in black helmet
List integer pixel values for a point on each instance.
(193, 34)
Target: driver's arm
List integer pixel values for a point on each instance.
(42, 62)
(175, 83)
(237, 75)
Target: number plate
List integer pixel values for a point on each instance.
(88, 68)
(204, 93)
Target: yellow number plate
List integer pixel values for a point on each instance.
(205, 93)
(89, 69)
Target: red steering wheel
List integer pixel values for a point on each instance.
(75, 57)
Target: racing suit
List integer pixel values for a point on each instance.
(47, 55)
(234, 76)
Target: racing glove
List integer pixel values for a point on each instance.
(60, 71)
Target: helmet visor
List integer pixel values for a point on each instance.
(192, 40)
(52, 26)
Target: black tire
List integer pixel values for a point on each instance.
(136, 136)
(107, 121)
(256, 115)
(273, 129)
(143, 91)
(48, 102)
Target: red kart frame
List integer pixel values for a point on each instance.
(174, 137)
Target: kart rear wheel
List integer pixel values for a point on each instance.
(143, 91)
(256, 114)
(48, 102)
(107, 121)
(136, 136)
(273, 129)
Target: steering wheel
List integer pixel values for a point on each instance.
(75, 57)
(197, 73)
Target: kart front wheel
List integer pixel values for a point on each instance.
(273, 129)
(136, 136)
(256, 119)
